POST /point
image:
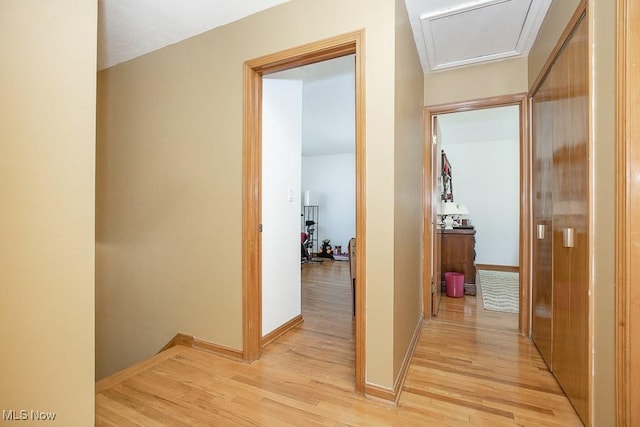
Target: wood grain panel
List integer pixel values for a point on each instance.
(458, 252)
(562, 103)
(571, 366)
(252, 215)
(436, 160)
(542, 288)
(432, 292)
(628, 216)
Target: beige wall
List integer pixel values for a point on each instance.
(476, 81)
(602, 24)
(558, 15)
(170, 182)
(408, 209)
(47, 129)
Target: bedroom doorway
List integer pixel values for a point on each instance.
(348, 44)
(516, 258)
(308, 200)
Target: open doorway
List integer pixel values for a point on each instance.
(348, 44)
(488, 161)
(480, 221)
(308, 191)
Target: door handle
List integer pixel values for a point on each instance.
(541, 231)
(568, 238)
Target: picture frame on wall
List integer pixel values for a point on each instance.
(447, 183)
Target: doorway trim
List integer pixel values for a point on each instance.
(521, 100)
(627, 268)
(335, 47)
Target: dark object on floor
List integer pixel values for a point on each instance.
(326, 251)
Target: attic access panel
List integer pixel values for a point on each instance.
(481, 31)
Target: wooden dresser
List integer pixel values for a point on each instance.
(459, 255)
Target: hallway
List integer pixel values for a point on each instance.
(461, 374)
(472, 368)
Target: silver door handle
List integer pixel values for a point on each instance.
(541, 231)
(568, 238)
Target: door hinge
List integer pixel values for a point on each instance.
(259, 228)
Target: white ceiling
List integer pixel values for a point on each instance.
(453, 33)
(130, 28)
(448, 33)
(328, 105)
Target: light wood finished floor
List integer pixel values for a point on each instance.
(461, 375)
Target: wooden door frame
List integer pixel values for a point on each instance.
(627, 268)
(347, 44)
(521, 100)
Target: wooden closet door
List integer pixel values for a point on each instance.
(561, 205)
(542, 291)
(570, 360)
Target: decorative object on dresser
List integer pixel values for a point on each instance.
(459, 255)
(449, 211)
(464, 216)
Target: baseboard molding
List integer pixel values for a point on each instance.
(198, 344)
(135, 369)
(179, 339)
(166, 353)
(393, 395)
(380, 393)
(281, 330)
(404, 368)
(491, 267)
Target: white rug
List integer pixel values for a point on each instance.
(499, 290)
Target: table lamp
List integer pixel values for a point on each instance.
(449, 210)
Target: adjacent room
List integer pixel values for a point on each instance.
(308, 208)
(480, 213)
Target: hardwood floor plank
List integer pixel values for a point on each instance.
(470, 368)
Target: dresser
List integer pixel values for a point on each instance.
(459, 254)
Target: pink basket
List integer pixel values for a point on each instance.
(455, 284)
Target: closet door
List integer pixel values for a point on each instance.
(542, 291)
(560, 111)
(570, 220)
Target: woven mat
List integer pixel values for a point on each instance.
(499, 290)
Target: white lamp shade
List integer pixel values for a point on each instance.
(450, 208)
(463, 210)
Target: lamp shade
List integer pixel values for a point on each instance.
(463, 210)
(450, 208)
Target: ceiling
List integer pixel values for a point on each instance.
(454, 33)
(448, 33)
(130, 28)
(328, 105)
